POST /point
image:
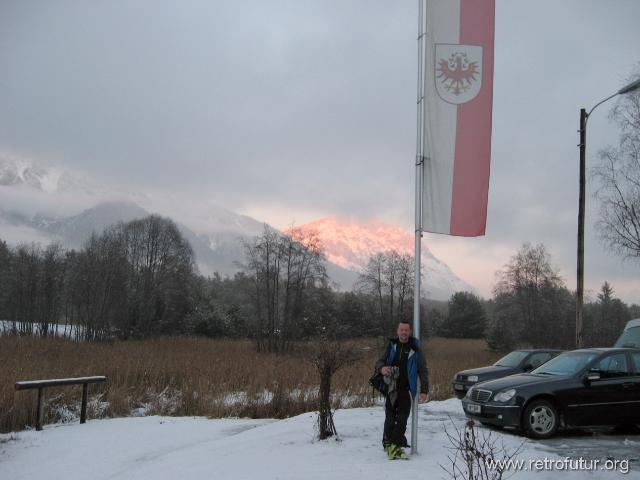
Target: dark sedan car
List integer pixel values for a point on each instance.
(518, 361)
(590, 387)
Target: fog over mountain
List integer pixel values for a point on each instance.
(47, 204)
(291, 111)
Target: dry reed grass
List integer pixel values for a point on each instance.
(196, 376)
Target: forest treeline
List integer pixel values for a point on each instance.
(139, 280)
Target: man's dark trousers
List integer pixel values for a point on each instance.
(395, 420)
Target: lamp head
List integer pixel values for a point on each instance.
(630, 88)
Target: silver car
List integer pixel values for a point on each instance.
(630, 337)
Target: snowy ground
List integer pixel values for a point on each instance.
(70, 331)
(161, 448)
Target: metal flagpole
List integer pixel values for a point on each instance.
(418, 207)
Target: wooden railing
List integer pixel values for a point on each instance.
(42, 384)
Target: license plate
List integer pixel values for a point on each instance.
(474, 408)
(458, 386)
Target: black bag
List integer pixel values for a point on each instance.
(377, 382)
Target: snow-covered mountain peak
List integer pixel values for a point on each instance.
(28, 174)
(21, 172)
(350, 244)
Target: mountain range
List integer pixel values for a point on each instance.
(29, 192)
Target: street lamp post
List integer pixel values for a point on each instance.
(584, 116)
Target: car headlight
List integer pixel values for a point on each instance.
(505, 395)
(472, 378)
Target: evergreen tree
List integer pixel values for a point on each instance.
(467, 317)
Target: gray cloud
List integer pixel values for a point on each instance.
(294, 110)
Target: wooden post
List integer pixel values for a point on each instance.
(83, 410)
(39, 411)
(581, 207)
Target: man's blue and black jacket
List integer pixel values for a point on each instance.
(416, 364)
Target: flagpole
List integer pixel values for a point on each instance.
(418, 208)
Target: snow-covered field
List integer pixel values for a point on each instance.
(70, 331)
(158, 448)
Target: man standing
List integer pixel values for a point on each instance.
(401, 365)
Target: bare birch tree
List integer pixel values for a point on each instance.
(388, 279)
(284, 268)
(618, 178)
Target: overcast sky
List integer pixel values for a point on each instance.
(296, 110)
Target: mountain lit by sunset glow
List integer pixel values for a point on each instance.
(350, 244)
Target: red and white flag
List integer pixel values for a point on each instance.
(457, 115)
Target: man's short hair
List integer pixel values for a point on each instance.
(405, 321)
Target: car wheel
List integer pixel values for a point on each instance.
(540, 419)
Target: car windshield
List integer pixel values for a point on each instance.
(566, 364)
(630, 338)
(512, 360)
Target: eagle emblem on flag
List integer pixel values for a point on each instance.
(458, 72)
